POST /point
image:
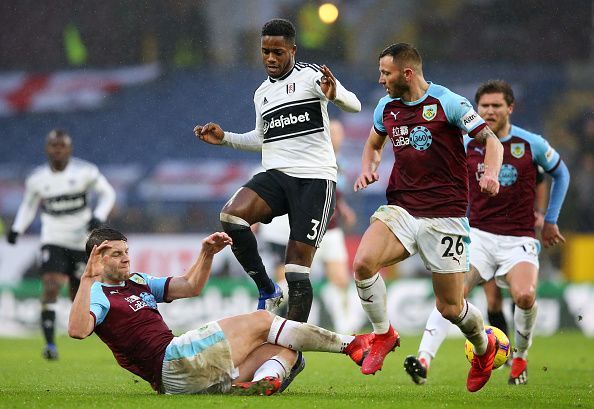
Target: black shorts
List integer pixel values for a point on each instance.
(56, 259)
(309, 202)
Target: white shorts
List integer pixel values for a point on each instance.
(199, 361)
(494, 255)
(442, 242)
(333, 247)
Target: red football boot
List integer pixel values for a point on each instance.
(382, 345)
(265, 387)
(519, 372)
(482, 366)
(359, 347)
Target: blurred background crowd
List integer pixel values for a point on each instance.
(129, 79)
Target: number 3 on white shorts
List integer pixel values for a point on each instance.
(314, 229)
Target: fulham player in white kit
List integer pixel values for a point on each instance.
(292, 132)
(61, 189)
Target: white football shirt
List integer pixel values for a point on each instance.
(63, 199)
(292, 124)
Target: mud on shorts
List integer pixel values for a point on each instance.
(494, 255)
(198, 361)
(442, 242)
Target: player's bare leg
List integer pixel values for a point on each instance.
(52, 283)
(264, 370)
(245, 333)
(449, 291)
(495, 306)
(244, 209)
(379, 247)
(522, 279)
(436, 330)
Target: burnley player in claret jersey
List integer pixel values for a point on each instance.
(504, 245)
(427, 200)
(249, 354)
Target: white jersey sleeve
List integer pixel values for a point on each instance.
(27, 209)
(105, 197)
(345, 99)
(292, 119)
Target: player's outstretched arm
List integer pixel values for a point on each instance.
(370, 160)
(80, 321)
(210, 133)
(335, 92)
(489, 182)
(25, 214)
(550, 231)
(192, 283)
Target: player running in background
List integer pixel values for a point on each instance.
(339, 298)
(61, 189)
(493, 294)
(300, 178)
(244, 354)
(504, 245)
(427, 200)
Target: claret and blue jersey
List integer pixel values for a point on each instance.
(511, 212)
(429, 177)
(128, 321)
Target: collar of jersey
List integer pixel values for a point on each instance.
(418, 101)
(122, 284)
(508, 136)
(273, 80)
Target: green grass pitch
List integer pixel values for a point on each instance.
(561, 374)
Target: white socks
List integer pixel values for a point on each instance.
(470, 322)
(372, 292)
(524, 322)
(276, 367)
(301, 336)
(436, 330)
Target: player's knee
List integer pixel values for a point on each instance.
(260, 323)
(263, 316)
(450, 312)
(51, 289)
(525, 299)
(232, 223)
(364, 267)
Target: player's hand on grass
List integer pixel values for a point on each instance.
(211, 133)
(365, 179)
(95, 264)
(216, 242)
(489, 184)
(550, 235)
(328, 83)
